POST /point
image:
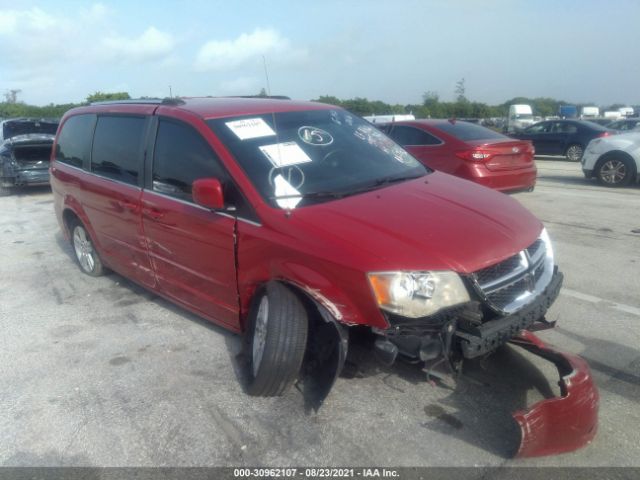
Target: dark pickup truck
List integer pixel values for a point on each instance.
(25, 151)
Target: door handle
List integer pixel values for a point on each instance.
(153, 213)
(129, 205)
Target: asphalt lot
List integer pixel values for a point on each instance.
(98, 372)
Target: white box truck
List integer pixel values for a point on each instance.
(520, 117)
(590, 112)
(626, 111)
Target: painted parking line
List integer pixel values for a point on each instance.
(593, 299)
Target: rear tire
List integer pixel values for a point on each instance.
(574, 152)
(276, 341)
(615, 171)
(85, 252)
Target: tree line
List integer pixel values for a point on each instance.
(12, 108)
(431, 106)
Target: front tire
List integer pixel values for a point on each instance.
(276, 341)
(574, 153)
(615, 171)
(85, 252)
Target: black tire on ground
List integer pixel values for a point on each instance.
(574, 152)
(83, 248)
(275, 341)
(615, 170)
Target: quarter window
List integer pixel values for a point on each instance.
(181, 156)
(412, 136)
(117, 148)
(74, 141)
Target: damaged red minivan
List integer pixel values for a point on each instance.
(293, 223)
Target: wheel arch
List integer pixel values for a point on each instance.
(327, 346)
(615, 153)
(72, 211)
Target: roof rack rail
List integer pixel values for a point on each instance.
(272, 97)
(144, 101)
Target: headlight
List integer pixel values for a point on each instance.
(544, 236)
(417, 294)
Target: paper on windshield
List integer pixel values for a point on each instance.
(285, 189)
(249, 128)
(285, 154)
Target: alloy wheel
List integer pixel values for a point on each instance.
(613, 172)
(574, 153)
(83, 249)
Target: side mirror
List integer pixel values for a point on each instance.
(207, 192)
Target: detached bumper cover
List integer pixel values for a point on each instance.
(560, 424)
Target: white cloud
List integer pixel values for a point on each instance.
(150, 45)
(240, 86)
(32, 20)
(97, 11)
(232, 54)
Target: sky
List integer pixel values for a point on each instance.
(391, 50)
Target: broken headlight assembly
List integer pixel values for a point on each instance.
(419, 293)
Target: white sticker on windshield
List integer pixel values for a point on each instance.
(250, 128)
(286, 190)
(285, 154)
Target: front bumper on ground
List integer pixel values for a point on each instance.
(479, 340)
(561, 424)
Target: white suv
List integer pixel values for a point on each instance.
(613, 160)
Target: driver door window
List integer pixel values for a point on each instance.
(181, 156)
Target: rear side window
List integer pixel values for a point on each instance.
(181, 156)
(543, 127)
(468, 131)
(562, 127)
(74, 141)
(412, 136)
(117, 145)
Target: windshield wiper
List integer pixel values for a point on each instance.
(331, 194)
(310, 195)
(400, 178)
(380, 182)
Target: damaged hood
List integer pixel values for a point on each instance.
(436, 222)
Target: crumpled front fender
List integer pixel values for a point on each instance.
(560, 424)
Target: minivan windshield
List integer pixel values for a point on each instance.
(301, 158)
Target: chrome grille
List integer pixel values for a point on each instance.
(513, 283)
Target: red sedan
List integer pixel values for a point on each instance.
(469, 151)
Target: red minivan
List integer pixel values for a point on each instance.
(296, 223)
